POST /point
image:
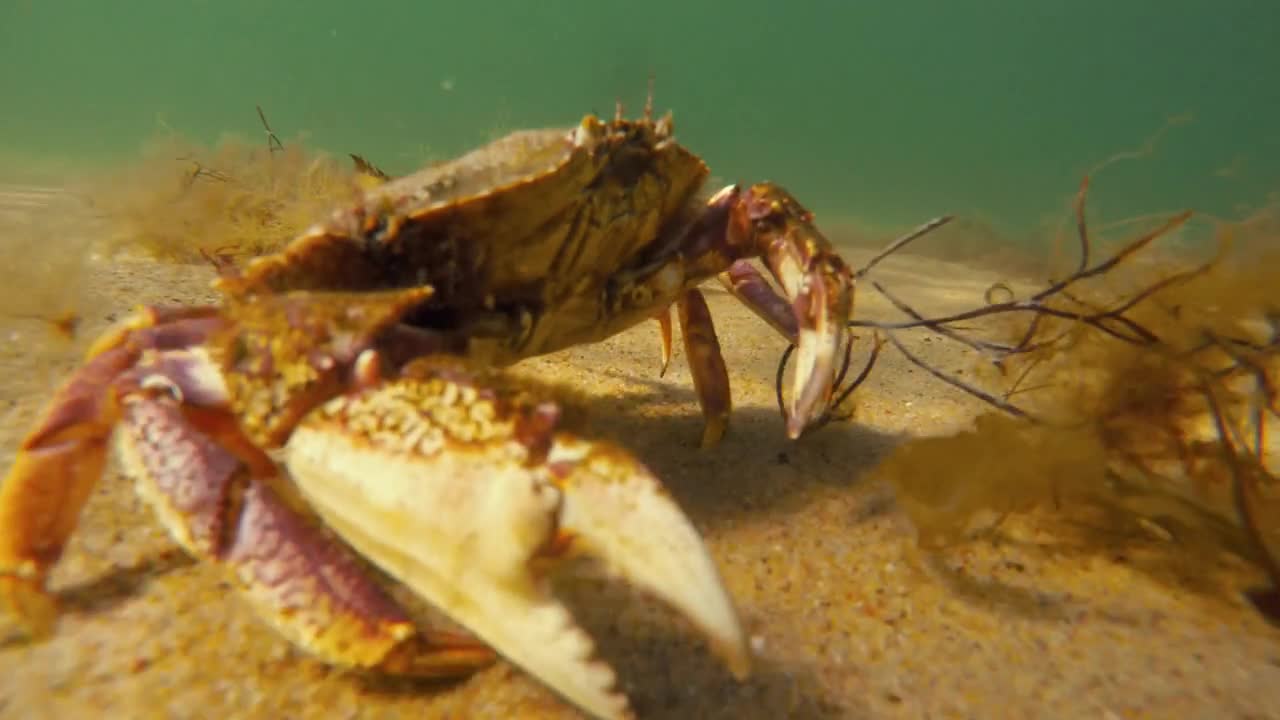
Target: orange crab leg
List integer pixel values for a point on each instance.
(57, 465)
(710, 376)
(664, 329)
(59, 462)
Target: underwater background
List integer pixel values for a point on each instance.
(884, 113)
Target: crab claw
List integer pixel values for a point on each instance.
(462, 488)
(613, 508)
(819, 286)
(821, 303)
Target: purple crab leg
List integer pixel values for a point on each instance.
(749, 286)
(307, 584)
(61, 459)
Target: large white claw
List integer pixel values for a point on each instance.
(455, 488)
(619, 512)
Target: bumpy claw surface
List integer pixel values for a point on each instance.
(462, 487)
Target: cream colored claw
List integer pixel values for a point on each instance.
(456, 494)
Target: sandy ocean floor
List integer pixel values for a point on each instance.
(847, 618)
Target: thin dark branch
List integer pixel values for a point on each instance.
(848, 357)
(989, 295)
(200, 170)
(1035, 303)
(1120, 255)
(1082, 227)
(1111, 321)
(1240, 489)
(1023, 306)
(988, 348)
(960, 384)
(779, 375)
(1250, 365)
(273, 141)
(877, 343)
(1014, 389)
(839, 394)
(902, 242)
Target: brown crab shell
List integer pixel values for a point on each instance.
(531, 241)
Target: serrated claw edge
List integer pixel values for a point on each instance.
(457, 489)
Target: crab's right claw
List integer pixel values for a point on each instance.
(467, 492)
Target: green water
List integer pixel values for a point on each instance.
(884, 111)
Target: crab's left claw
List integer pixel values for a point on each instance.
(817, 283)
(461, 486)
(822, 302)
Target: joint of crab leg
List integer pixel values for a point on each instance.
(158, 327)
(367, 370)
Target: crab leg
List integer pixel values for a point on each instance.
(59, 461)
(458, 483)
(706, 364)
(664, 331)
(746, 284)
(305, 583)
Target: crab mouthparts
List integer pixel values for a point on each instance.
(463, 528)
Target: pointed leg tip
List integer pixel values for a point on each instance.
(795, 427)
(713, 431)
(436, 655)
(35, 610)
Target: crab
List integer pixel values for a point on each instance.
(345, 404)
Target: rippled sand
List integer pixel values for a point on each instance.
(846, 617)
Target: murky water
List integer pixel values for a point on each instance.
(888, 113)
